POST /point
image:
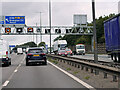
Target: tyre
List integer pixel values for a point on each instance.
(7, 64)
(115, 57)
(10, 63)
(119, 58)
(27, 64)
(83, 53)
(45, 63)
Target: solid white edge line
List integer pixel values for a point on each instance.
(73, 77)
(5, 84)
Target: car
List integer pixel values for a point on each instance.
(5, 53)
(69, 51)
(36, 55)
(62, 53)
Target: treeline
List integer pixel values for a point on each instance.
(73, 40)
(30, 44)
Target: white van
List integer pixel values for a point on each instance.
(19, 51)
(5, 53)
(80, 49)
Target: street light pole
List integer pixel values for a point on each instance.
(40, 26)
(36, 34)
(94, 33)
(50, 22)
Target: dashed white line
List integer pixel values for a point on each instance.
(6, 83)
(15, 71)
(19, 65)
(73, 77)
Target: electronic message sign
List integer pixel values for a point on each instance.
(30, 29)
(7, 30)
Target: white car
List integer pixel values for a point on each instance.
(5, 53)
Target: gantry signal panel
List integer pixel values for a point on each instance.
(45, 30)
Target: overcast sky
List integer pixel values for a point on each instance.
(62, 13)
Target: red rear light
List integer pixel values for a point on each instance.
(6, 54)
(29, 54)
(43, 54)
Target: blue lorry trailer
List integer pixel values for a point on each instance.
(112, 37)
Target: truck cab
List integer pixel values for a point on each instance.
(80, 49)
(59, 45)
(19, 51)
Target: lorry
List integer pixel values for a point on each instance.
(19, 51)
(59, 45)
(4, 53)
(112, 37)
(78, 49)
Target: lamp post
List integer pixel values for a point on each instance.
(94, 33)
(40, 26)
(36, 34)
(50, 22)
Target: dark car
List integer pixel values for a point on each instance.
(6, 61)
(36, 55)
(62, 53)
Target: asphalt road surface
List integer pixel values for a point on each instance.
(91, 56)
(37, 76)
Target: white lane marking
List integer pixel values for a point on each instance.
(6, 83)
(19, 65)
(73, 77)
(15, 71)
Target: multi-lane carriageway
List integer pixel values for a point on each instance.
(18, 75)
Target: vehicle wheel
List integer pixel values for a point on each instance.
(10, 63)
(27, 64)
(83, 53)
(7, 64)
(45, 63)
(115, 58)
(119, 58)
(112, 56)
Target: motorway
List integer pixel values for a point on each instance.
(18, 75)
(91, 57)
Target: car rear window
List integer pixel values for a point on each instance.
(62, 51)
(35, 51)
(68, 50)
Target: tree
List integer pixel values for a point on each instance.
(41, 44)
(58, 38)
(73, 40)
(84, 40)
(100, 27)
(28, 44)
